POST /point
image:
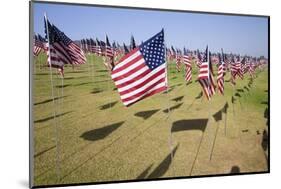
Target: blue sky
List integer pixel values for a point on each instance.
(237, 34)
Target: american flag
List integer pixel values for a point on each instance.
(62, 50)
(188, 67)
(133, 43)
(39, 45)
(109, 56)
(142, 72)
(126, 50)
(205, 77)
(178, 60)
(99, 48)
(198, 59)
(220, 77)
(173, 53)
(234, 69)
(109, 49)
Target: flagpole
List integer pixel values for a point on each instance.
(108, 82)
(170, 140)
(54, 112)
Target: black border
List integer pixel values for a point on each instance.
(148, 9)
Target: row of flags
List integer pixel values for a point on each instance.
(140, 71)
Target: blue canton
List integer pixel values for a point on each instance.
(153, 51)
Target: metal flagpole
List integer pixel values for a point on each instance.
(107, 65)
(54, 112)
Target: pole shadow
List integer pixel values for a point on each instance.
(51, 117)
(44, 151)
(49, 100)
(101, 133)
(146, 114)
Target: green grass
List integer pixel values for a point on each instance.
(99, 139)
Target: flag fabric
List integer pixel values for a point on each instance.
(178, 60)
(109, 49)
(133, 43)
(142, 72)
(126, 50)
(173, 53)
(188, 67)
(220, 77)
(61, 49)
(109, 60)
(39, 45)
(198, 59)
(205, 76)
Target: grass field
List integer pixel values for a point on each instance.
(94, 138)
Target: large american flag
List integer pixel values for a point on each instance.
(205, 77)
(62, 50)
(142, 72)
(188, 67)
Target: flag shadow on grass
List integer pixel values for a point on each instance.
(108, 105)
(235, 169)
(240, 90)
(245, 87)
(101, 133)
(144, 173)
(146, 114)
(85, 83)
(237, 94)
(62, 86)
(51, 117)
(218, 116)
(264, 102)
(95, 91)
(172, 108)
(163, 167)
(178, 98)
(169, 90)
(189, 124)
(199, 95)
(264, 142)
(49, 100)
(102, 71)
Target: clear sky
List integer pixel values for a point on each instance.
(237, 34)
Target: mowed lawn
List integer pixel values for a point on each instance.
(95, 138)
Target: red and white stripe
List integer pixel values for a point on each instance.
(188, 68)
(135, 81)
(220, 79)
(206, 80)
(178, 63)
